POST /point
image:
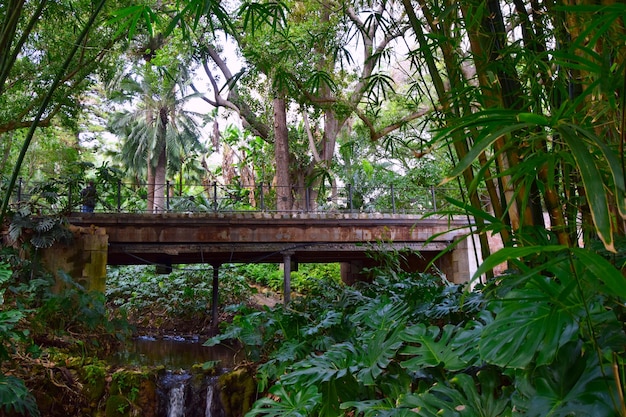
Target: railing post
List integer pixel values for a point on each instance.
(19, 190)
(393, 200)
(432, 195)
(69, 197)
(167, 195)
(119, 195)
(215, 196)
(350, 197)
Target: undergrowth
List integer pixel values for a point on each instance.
(546, 339)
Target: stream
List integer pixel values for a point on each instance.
(181, 391)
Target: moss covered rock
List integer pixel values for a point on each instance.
(237, 392)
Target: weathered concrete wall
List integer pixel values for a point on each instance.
(455, 265)
(85, 259)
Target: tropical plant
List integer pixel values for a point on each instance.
(63, 71)
(151, 300)
(159, 132)
(14, 396)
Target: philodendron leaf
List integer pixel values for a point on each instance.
(297, 403)
(430, 347)
(574, 385)
(380, 348)
(463, 395)
(529, 326)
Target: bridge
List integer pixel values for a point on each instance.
(219, 231)
(217, 238)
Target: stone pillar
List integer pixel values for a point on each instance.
(457, 265)
(287, 277)
(351, 272)
(84, 259)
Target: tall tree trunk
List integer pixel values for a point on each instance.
(160, 170)
(150, 203)
(160, 182)
(281, 153)
(449, 110)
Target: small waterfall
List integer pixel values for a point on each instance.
(176, 406)
(173, 387)
(182, 395)
(214, 407)
(209, 401)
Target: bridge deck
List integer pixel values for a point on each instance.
(264, 237)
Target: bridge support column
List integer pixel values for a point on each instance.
(287, 278)
(85, 259)
(215, 298)
(456, 263)
(352, 272)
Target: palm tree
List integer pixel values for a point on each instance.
(158, 132)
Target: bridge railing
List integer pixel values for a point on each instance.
(120, 197)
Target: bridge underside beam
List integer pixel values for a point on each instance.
(122, 254)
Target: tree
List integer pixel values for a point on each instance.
(159, 132)
(32, 41)
(531, 100)
(303, 50)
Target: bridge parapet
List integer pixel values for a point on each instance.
(58, 196)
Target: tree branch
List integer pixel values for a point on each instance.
(377, 134)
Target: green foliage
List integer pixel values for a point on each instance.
(75, 310)
(307, 279)
(40, 232)
(186, 292)
(10, 332)
(543, 340)
(16, 398)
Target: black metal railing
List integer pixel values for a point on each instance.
(119, 197)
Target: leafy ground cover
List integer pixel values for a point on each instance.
(545, 339)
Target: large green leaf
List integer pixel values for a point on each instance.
(574, 385)
(464, 396)
(378, 350)
(431, 347)
(296, 403)
(528, 327)
(336, 363)
(603, 271)
(613, 164)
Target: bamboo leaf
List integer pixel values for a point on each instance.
(508, 254)
(603, 271)
(127, 18)
(592, 181)
(614, 165)
(481, 146)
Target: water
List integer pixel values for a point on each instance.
(183, 395)
(173, 352)
(181, 392)
(176, 405)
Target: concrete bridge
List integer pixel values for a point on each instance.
(217, 238)
(256, 237)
